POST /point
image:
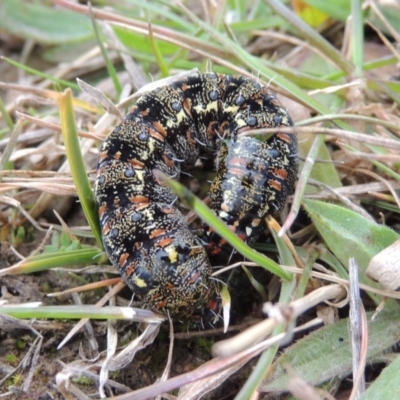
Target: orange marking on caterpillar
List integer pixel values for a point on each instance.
(156, 232)
(275, 184)
(106, 229)
(165, 242)
(138, 199)
(155, 134)
(123, 258)
(285, 137)
(160, 128)
(161, 304)
(168, 210)
(281, 173)
(136, 164)
(102, 210)
(187, 106)
(235, 171)
(130, 270)
(238, 161)
(190, 138)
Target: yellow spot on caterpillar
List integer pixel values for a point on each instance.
(140, 175)
(231, 109)
(211, 106)
(172, 254)
(139, 282)
(151, 144)
(180, 116)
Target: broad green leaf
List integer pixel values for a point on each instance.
(387, 386)
(326, 353)
(43, 24)
(162, 64)
(348, 234)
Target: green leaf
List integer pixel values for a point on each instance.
(348, 234)
(109, 64)
(78, 169)
(387, 385)
(62, 258)
(86, 311)
(36, 72)
(33, 20)
(162, 65)
(326, 353)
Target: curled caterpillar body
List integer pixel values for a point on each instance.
(253, 180)
(144, 235)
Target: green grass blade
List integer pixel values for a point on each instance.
(46, 261)
(158, 54)
(109, 65)
(357, 37)
(6, 116)
(79, 311)
(35, 72)
(78, 169)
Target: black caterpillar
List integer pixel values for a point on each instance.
(168, 129)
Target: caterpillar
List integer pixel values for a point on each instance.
(145, 236)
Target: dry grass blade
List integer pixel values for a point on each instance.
(359, 333)
(211, 368)
(339, 133)
(100, 98)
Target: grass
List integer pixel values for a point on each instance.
(336, 77)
